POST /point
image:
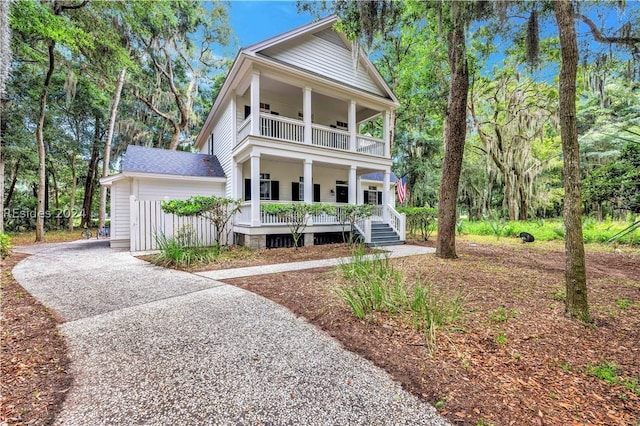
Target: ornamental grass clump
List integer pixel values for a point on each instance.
(375, 285)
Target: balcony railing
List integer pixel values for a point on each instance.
(292, 130)
(329, 137)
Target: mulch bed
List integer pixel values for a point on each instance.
(514, 358)
(239, 257)
(33, 360)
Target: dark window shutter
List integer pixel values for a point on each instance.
(365, 197)
(379, 197)
(247, 189)
(275, 190)
(295, 191)
(247, 111)
(316, 192)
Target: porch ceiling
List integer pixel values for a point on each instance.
(280, 89)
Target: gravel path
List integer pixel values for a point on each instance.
(156, 346)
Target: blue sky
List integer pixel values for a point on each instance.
(253, 21)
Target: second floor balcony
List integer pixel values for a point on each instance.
(274, 109)
(292, 130)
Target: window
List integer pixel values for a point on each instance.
(372, 195)
(301, 189)
(265, 107)
(265, 186)
(342, 125)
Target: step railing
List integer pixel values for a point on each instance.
(398, 222)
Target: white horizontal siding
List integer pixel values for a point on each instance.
(161, 189)
(120, 217)
(325, 58)
(223, 142)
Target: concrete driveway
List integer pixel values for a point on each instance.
(155, 346)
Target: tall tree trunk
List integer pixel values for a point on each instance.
(576, 303)
(3, 128)
(12, 186)
(40, 142)
(106, 157)
(91, 176)
(72, 197)
(455, 133)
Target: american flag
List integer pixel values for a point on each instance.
(401, 186)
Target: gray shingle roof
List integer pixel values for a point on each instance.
(380, 177)
(163, 161)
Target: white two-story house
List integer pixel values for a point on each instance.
(299, 118)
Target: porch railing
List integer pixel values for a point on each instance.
(398, 222)
(292, 130)
(369, 145)
(288, 129)
(329, 137)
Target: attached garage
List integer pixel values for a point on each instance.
(148, 176)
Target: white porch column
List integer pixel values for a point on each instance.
(386, 131)
(238, 181)
(360, 192)
(255, 189)
(308, 181)
(306, 112)
(255, 103)
(353, 127)
(385, 195)
(352, 185)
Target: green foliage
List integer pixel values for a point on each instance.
(501, 339)
(182, 250)
(420, 219)
(502, 314)
(607, 371)
(349, 215)
(218, 210)
(376, 286)
(296, 215)
(550, 230)
(5, 245)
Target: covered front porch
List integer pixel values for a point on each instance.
(267, 178)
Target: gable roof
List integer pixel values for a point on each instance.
(290, 47)
(141, 159)
(268, 52)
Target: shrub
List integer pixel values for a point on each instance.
(181, 251)
(376, 286)
(5, 245)
(296, 215)
(420, 219)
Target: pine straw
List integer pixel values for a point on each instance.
(539, 376)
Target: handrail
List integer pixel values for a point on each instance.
(398, 222)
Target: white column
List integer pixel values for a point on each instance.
(255, 103)
(385, 195)
(306, 112)
(308, 181)
(255, 189)
(353, 129)
(238, 180)
(352, 185)
(360, 192)
(386, 131)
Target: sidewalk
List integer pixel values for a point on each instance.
(394, 251)
(155, 346)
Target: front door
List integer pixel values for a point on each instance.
(342, 194)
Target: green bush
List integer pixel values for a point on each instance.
(5, 245)
(420, 219)
(182, 251)
(548, 230)
(376, 286)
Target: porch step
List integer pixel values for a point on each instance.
(383, 235)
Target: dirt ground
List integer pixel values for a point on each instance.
(513, 358)
(33, 356)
